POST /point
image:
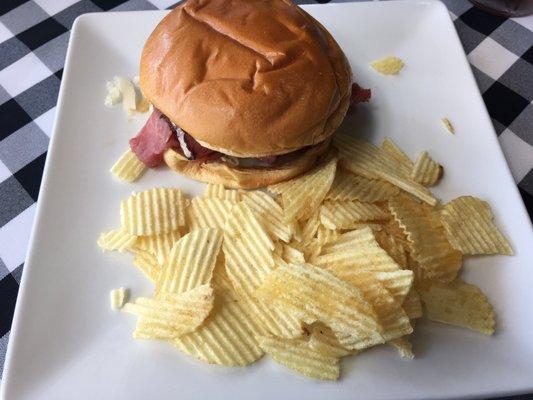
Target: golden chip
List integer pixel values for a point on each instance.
(246, 265)
(153, 212)
(278, 249)
(302, 195)
(268, 318)
(315, 294)
(243, 224)
(429, 245)
(128, 167)
(176, 314)
(323, 340)
(347, 214)
(375, 226)
(392, 246)
(147, 263)
(208, 213)
(247, 273)
(398, 283)
(248, 248)
(348, 186)
(296, 229)
(292, 255)
(366, 160)
(325, 235)
(310, 227)
(394, 151)
(297, 355)
(388, 66)
(470, 229)
(392, 227)
(190, 262)
(459, 303)
(158, 245)
(412, 304)
(269, 213)
(227, 336)
(426, 171)
(353, 250)
(404, 347)
(153, 331)
(310, 249)
(116, 239)
(118, 297)
(218, 191)
(448, 125)
(394, 320)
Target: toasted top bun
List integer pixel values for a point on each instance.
(247, 78)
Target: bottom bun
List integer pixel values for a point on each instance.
(244, 178)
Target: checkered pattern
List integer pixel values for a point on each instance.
(33, 41)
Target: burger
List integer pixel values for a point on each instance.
(246, 93)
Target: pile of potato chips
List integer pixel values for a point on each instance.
(314, 269)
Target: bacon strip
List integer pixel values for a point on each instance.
(359, 95)
(156, 136)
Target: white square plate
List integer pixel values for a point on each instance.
(67, 344)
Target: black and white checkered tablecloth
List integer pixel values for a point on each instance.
(33, 41)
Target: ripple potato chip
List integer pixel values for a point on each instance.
(459, 303)
(116, 239)
(190, 262)
(208, 213)
(269, 319)
(310, 227)
(469, 227)
(315, 294)
(128, 167)
(248, 249)
(426, 171)
(304, 194)
(404, 347)
(297, 355)
(147, 263)
(356, 249)
(218, 191)
(413, 304)
(269, 213)
(158, 245)
(153, 212)
(293, 255)
(429, 245)
(348, 186)
(323, 340)
(176, 314)
(394, 320)
(366, 160)
(227, 337)
(347, 214)
(394, 151)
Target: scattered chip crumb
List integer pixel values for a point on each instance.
(119, 297)
(127, 92)
(388, 66)
(448, 125)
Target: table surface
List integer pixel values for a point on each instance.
(33, 42)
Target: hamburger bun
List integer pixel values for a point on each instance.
(247, 78)
(244, 178)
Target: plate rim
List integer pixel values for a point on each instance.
(52, 150)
